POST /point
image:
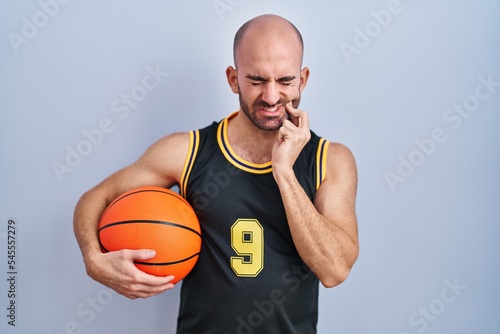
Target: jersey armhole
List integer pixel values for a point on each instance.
(321, 155)
(194, 141)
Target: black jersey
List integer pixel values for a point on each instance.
(249, 277)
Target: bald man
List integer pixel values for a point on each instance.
(283, 218)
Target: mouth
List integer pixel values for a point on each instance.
(273, 110)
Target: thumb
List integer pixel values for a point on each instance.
(141, 254)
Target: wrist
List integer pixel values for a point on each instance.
(284, 177)
(90, 259)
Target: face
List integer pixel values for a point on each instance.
(267, 116)
(268, 76)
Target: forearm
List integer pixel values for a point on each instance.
(85, 221)
(325, 247)
(90, 207)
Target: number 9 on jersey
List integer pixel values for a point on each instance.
(247, 240)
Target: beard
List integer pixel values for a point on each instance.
(267, 123)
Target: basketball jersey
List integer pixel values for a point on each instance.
(249, 277)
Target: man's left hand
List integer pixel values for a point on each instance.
(292, 137)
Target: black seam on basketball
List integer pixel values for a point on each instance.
(105, 250)
(143, 221)
(165, 263)
(147, 190)
(153, 190)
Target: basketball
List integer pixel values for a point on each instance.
(153, 218)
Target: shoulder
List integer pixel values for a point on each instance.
(339, 151)
(173, 148)
(340, 161)
(340, 184)
(341, 174)
(336, 157)
(165, 158)
(172, 144)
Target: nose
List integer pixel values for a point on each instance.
(270, 93)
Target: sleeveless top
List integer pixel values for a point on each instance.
(249, 277)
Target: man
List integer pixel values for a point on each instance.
(282, 220)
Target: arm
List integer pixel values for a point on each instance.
(160, 165)
(324, 232)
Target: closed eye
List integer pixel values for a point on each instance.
(255, 80)
(286, 81)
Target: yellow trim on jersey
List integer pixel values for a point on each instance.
(194, 142)
(321, 155)
(232, 157)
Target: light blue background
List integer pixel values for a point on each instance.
(438, 227)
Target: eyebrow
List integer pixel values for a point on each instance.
(259, 78)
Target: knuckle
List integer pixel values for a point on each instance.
(133, 277)
(134, 287)
(130, 296)
(125, 293)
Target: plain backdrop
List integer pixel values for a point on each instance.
(411, 87)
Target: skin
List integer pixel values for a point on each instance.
(269, 127)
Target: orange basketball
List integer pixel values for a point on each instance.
(153, 218)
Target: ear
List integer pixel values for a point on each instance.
(232, 79)
(304, 75)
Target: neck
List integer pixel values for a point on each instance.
(250, 142)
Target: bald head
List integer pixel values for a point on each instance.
(266, 27)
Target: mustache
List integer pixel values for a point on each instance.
(263, 104)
